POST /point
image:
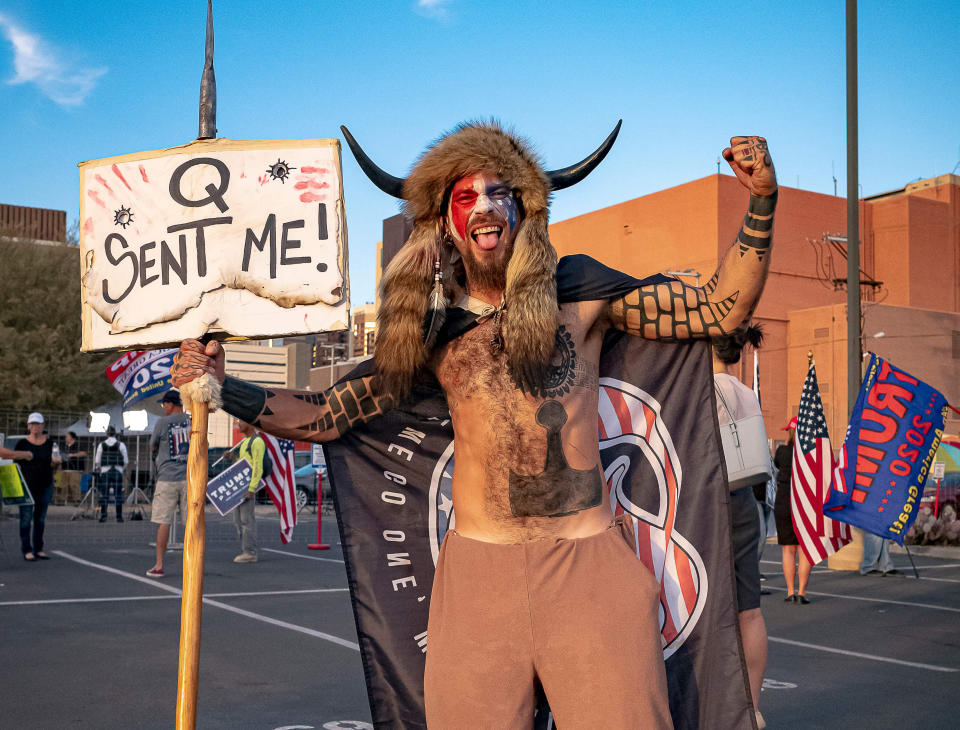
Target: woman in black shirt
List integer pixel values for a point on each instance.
(38, 474)
(783, 459)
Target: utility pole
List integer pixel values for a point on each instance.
(853, 216)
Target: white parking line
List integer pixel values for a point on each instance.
(940, 580)
(51, 601)
(210, 602)
(861, 655)
(898, 567)
(276, 593)
(931, 606)
(305, 557)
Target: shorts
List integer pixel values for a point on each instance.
(579, 616)
(166, 495)
(745, 535)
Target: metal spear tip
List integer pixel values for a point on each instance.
(208, 85)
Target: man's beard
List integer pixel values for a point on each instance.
(487, 273)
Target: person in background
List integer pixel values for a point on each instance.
(876, 557)
(783, 460)
(74, 464)
(169, 445)
(38, 474)
(736, 401)
(110, 461)
(252, 448)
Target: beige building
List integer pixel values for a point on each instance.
(284, 366)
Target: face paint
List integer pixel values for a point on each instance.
(482, 211)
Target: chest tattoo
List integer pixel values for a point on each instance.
(567, 369)
(558, 490)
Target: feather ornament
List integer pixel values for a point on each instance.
(436, 313)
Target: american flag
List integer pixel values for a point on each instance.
(810, 481)
(281, 485)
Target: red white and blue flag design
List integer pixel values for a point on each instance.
(141, 374)
(280, 484)
(813, 464)
(630, 415)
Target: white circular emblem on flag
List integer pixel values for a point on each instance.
(630, 428)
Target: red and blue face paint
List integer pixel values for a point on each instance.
(483, 210)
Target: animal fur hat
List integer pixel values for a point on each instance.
(530, 313)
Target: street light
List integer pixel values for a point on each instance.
(686, 272)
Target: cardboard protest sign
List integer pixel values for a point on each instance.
(226, 490)
(239, 238)
(13, 490)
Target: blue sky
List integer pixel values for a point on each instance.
(84, 80)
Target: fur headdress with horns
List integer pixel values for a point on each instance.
(529, 318)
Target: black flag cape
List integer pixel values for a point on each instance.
(660, 447)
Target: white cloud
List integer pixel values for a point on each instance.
(433, 8)
(36, 61)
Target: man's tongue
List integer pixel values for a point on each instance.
(487, 241)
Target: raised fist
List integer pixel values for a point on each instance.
(750, 161)
(194, 359)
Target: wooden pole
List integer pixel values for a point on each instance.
(193, 553)
(200, 392)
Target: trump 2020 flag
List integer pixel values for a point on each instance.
(141, 374)
(810, 480)
(891, 440)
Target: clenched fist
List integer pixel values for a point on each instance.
(193, 359)
(750, 161)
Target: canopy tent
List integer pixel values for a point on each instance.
(115, 411)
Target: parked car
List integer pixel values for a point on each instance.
(306, 479)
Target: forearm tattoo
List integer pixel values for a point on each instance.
(671, 310)
(243, 400)
(306, 415)
(755, 233)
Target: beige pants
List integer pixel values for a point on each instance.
(71, 482)
(579, 615)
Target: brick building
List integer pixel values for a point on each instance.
(910, 277)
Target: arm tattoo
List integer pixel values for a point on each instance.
(243, 400)
(306, 415)
(711, 285)
(674, 310)
(757, 226)
(671, 310)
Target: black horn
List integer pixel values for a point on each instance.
(560, 179)
(384, 180)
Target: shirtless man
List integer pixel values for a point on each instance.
(534, 584)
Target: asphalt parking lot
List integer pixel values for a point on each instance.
(89, 642)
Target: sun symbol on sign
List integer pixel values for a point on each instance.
(123, 217)
(280, 170)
